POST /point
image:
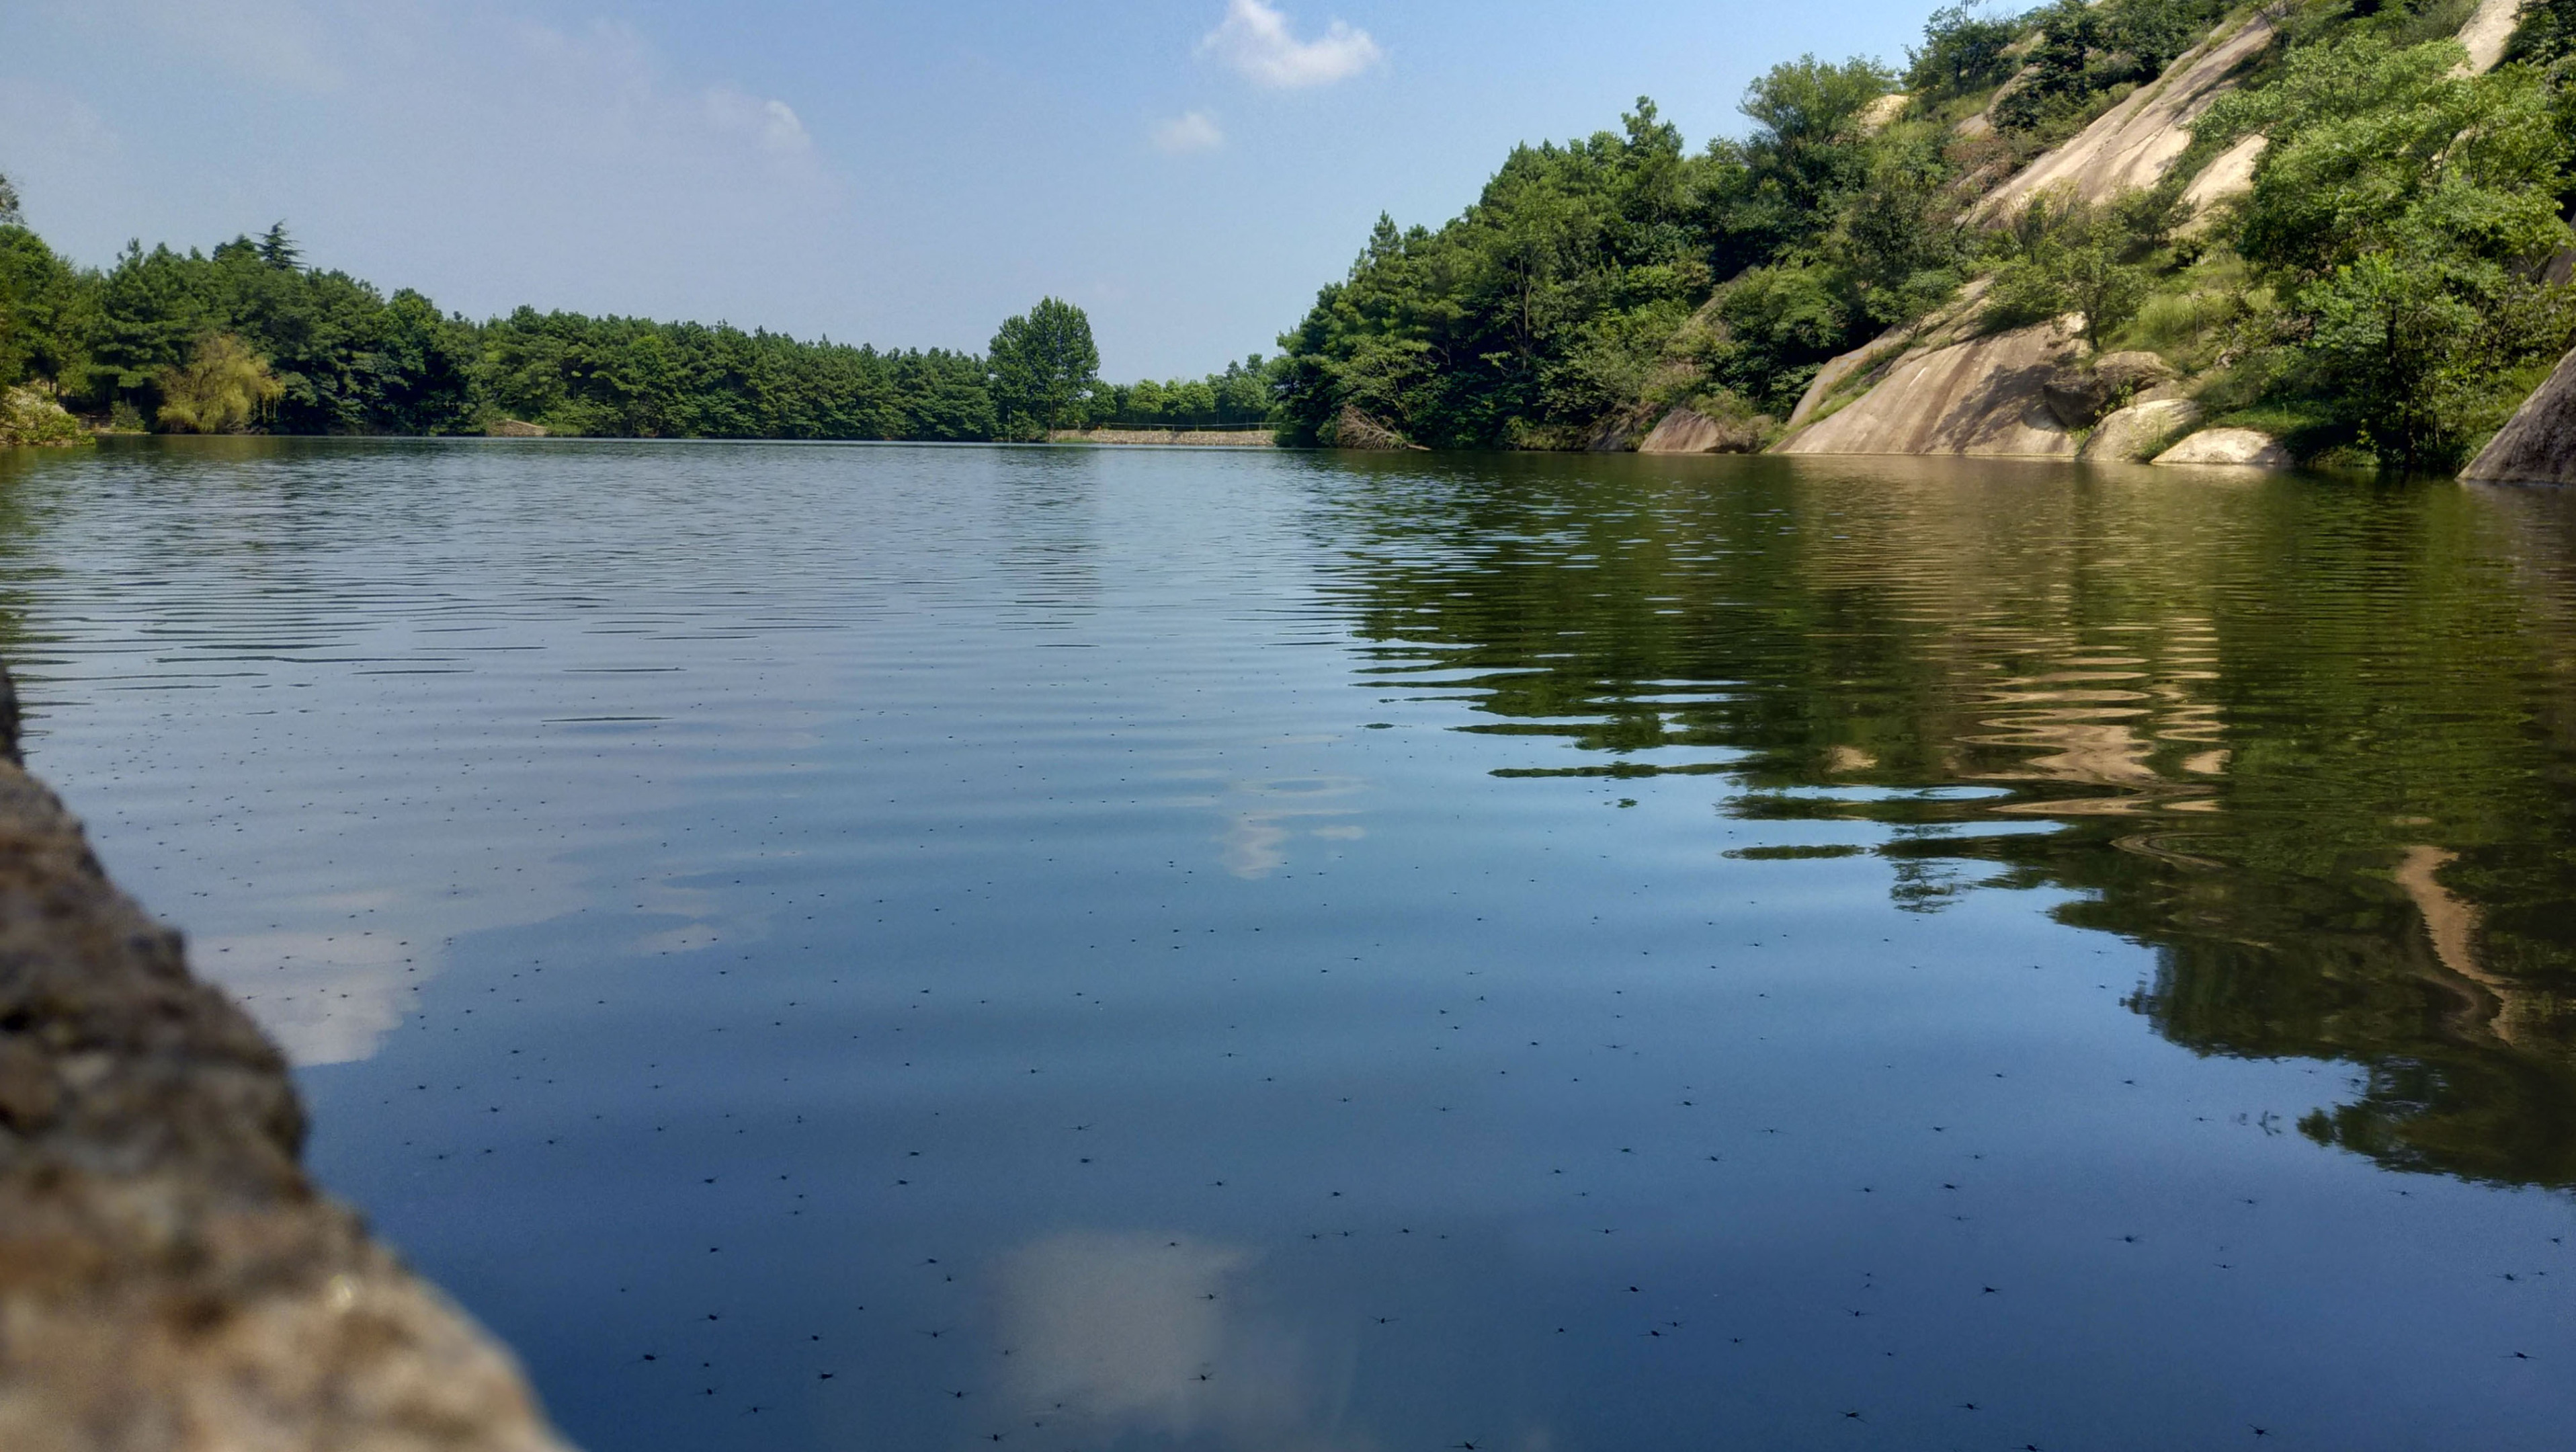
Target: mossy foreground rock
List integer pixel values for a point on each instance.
(169, 1279)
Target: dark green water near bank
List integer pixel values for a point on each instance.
(894, 947)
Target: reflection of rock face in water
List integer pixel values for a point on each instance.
(2242, 703)
(1141, 1333)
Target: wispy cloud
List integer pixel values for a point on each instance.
(1255, 40)
(1183, 135)
(772, 124)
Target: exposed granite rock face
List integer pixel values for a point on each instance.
(2488, 31)
(2538, 444)
(1944, 325)
(169, 1279)
(1688, 431)
(1980, 397)
(2229, 175)
(2250, 448)
(2133, 143)
(2141, 431)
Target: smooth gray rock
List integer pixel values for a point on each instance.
(2141, 431)
(2248, 448)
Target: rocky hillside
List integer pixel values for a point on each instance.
(2322, 230)
(2037, 390)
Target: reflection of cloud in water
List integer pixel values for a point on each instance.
(1149, 1334)
(325, 998)
(1256, 841)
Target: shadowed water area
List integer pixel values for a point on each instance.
(913, 948)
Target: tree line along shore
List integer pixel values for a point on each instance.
(2347, 239)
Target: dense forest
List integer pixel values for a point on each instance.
(247, 337)
(2383, 295)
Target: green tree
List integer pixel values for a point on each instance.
(1043, 366)
(2064, 254)
(223, 388)
(1962, 51)
(10, 214)
(278, 250)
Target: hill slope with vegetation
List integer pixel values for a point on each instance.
(2380, 290)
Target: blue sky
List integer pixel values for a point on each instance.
(903, 172)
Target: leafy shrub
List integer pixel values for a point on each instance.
(223, 388)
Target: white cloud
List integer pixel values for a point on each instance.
(772, 124)
(1255, 40)
(1182, 135)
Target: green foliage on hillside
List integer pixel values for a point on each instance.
(2380, 296)
(2400, 219)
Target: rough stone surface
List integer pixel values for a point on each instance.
(2538, 444)
(169, 1279)
(2247, 447)
(2141, 431)
(2077, 396)
(1937, 327)
(2131, 144)
(2489, 29)
(1878, 115)
(1982, 396)
(512, 428)
(1688, 431)
(2129, 371)
(2229, 175)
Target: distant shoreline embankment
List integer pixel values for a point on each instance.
(1205, 438)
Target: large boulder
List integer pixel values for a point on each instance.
(1688, 431)
(1983, 397)
(2249, 448)
(2141, 431)
(2538, 444)
(2078, 396)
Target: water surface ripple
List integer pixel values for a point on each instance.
(871, 947)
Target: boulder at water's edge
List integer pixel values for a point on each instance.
(2141, 431)
(2248, 448)
(2538, 444)
(1982, 397)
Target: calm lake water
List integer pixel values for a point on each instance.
(914, 948)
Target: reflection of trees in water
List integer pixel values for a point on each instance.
(2312, 743)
